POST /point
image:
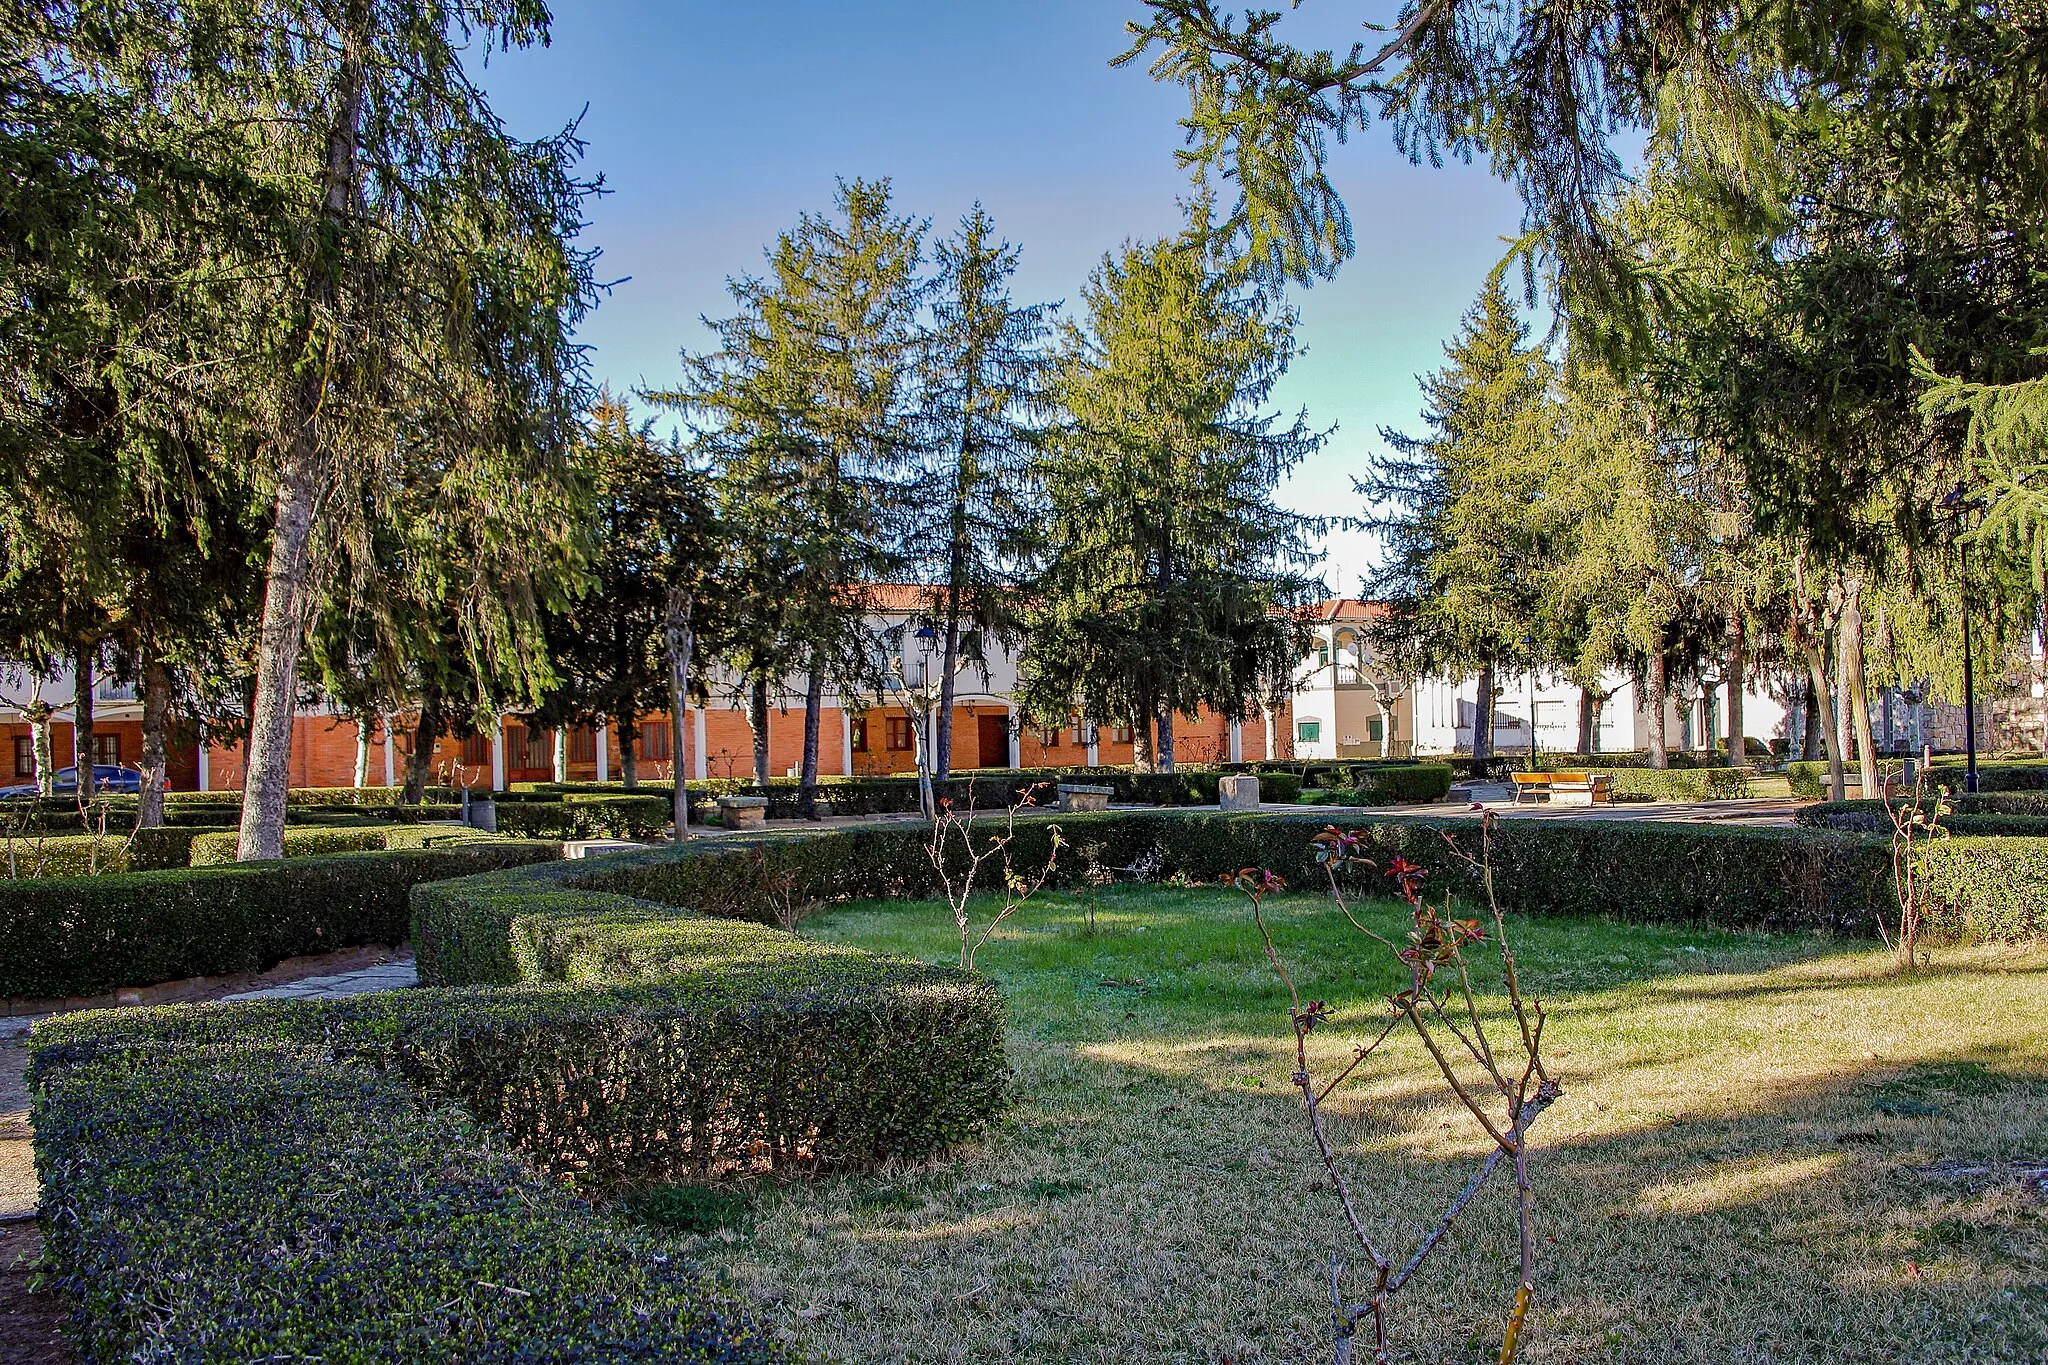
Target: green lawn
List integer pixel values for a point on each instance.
(1770, 1150)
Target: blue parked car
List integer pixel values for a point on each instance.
(110, 777)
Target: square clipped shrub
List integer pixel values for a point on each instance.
(253, 1200)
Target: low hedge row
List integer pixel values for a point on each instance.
(1734, 876)
(70, 936)
(219, 847)
(1674, 784)
(235, 1199)
(580, 815)
(2005, 775)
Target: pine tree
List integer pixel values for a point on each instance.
(806, 408)
(984, 374)
(1468, 545)
(1168, 566)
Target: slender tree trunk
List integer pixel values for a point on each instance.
(82, 725)
(300, 492)
(1858, 688)
(1386, 713)
(1589, 720)
(1736, 671)
(38, 713)
(1810, 746)
(757, 719)
(942, 760)
(561, 753)
(1164, 756)
(1654, 698)
(628, 726)
(425, 736)
(1817, 680)
(362, 753)
(156, 711)
(1271, 715)
(814, 706)
(1482, 722)
(680, 637)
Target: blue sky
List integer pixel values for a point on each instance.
(714, 125)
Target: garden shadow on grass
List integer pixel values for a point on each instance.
(1719, 1184)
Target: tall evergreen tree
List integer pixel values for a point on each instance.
(1468, 544)
(1168, 567)
(807, 405)
(984, 378)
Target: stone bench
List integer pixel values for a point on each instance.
(1078, 797)
(742, 812)
(593, 848)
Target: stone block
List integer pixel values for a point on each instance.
(594, 848)
(1239, 791)
(1077, 797)
(743, 812)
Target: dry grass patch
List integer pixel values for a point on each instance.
(1771, 1150)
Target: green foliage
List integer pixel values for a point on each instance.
(71, 936)
(173, 1184)
(586, 817)
(1366, 784)
(2020, 776)
(1671, 784)
(218, 848)
(1167, 565)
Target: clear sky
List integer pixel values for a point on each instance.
(715, 124)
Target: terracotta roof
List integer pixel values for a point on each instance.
(1348, 609)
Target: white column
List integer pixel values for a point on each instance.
(700, 765)
(845, 742)
(604, 752)
(497, 755)
(1016, 738)
(203, 772)
(1094, 743)
(1236, 742)
(390, 763)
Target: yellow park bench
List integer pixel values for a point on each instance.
(1564, 789)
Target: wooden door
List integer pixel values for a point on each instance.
(995, 742)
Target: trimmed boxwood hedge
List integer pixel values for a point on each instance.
(72, 936)
(1669, 784)
(219, 847)
(579, 815)
(262, 1201)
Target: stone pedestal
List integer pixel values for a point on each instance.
(1239, 791)
(1074, 796)
(482, 813)
(743, 812)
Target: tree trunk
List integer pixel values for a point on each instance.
(814, 707)
(156, 711)
(1589, 720)
(1141, 740)
(941, 762)
(287, 582)
(681, 641)
(1817, 680)
(1482, 722)
(561, 753)
(1386, 714)
(1810, 746)
(628, 727)
(757, 720)
(1164, 756)
(1858, 689)
(1736, 679)
(1271, 714)
(424, 736)
(362, 753)
(1654, 702)
(82, 727)
(37, 713)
